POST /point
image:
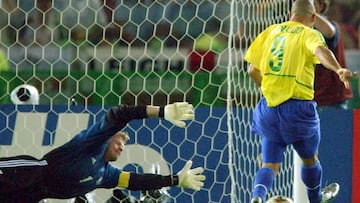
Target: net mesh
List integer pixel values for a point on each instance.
(250, 18)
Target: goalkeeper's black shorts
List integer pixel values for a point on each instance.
(21, 179)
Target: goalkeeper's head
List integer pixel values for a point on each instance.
(116, 145)
(25, 94)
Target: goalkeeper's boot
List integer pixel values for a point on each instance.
(329, 192)
(256, 200)
(81, 199)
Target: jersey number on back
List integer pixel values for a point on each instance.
(277, 51)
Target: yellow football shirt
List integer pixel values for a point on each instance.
(285, 55)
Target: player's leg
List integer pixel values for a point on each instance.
(265, 123)
(20, 177)
(272, 156)
(311, 169)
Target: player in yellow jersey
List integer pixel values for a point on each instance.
(282, 62)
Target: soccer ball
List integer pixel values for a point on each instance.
(279, 199)
(25, 94)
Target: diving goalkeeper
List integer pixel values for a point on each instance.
(82, 164)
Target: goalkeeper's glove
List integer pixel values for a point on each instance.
(177, 112)
(191, 178)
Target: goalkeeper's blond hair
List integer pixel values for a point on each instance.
(123, 134)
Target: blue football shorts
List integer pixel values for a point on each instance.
(293, 122)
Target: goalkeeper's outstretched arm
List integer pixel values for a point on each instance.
(186, 178)
(176, 113)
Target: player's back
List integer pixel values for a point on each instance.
(284, 53)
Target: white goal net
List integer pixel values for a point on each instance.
(86, 55)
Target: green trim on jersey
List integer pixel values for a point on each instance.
(286, 50)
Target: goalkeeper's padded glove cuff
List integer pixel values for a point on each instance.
(161, 112)
(174, 180)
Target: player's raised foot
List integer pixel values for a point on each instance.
(256, 200)
(329, 192)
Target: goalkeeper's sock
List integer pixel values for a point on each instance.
(263, 182)
(312, 177)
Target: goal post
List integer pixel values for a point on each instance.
(249, 19)
(141, 52)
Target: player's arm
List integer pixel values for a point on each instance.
(186, 178)
(135, 181)
(323, 25)
(255, 74)
(176, 113)
(327, 58)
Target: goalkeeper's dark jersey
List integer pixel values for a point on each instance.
(329, 89)
(72, 169)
